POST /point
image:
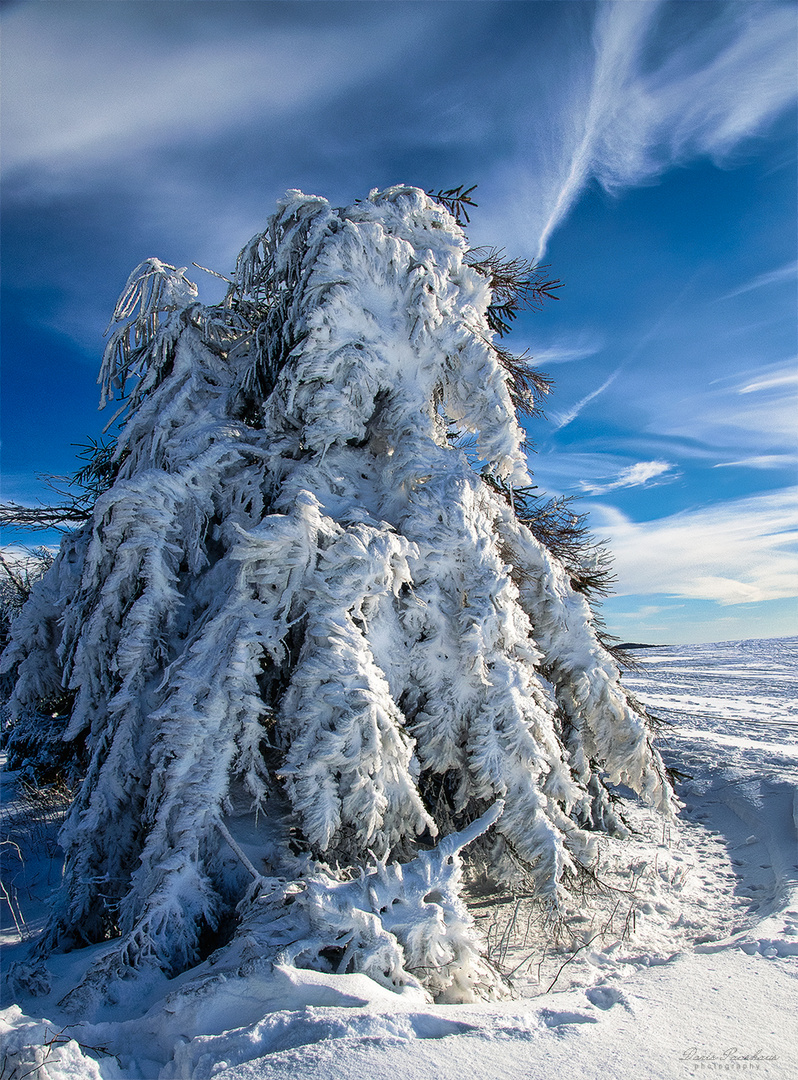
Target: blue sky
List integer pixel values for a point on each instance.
(645, 150)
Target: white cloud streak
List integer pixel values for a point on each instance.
(740, 552)
(756, 417)
(580, 347)
(762, 461)
(788, 272)
(716, 87)
(782, 378)
(89, 83)
(561, 420)
(638, 475)
(644, 612)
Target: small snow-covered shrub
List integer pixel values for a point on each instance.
(296, 599)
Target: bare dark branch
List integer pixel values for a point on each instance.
(39, 518)
(516, 284)
(456, 200)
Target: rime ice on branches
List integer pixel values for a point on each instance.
(297, 600)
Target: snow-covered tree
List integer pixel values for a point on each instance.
(302, 634)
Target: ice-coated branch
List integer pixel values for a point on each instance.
(401, 924)
(155, 288)
(455, 842)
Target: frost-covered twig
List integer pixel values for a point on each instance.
(231, 843)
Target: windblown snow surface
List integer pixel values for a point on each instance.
(679, 959)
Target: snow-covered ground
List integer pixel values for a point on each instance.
(679, 959)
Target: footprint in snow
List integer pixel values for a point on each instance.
(427, 1026)
(552, 1018)
(604, 997)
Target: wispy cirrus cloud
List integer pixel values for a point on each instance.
(643, 612)
(739, 552)
(762, 461)
(565, 350)
(641, 474)
(715, 82)
(755, 416)
(771, 382)
(562, 419)
(87, 84)
(788, 272)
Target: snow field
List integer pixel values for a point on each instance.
(681, 960)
